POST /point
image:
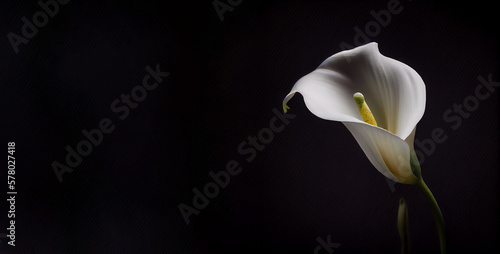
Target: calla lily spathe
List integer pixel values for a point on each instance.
(393, 90)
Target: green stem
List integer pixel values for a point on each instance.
(436, 211)
(405, 246)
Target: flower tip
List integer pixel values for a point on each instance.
(364, 110)
(359, 98)
(287, 98)
(403, 226)
(401, 201)
(285, 107)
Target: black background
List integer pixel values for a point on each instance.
(226, 77)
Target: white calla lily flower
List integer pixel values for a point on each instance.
(394, 92)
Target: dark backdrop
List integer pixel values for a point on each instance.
(226, 77)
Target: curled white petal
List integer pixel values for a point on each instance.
(394, 91)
